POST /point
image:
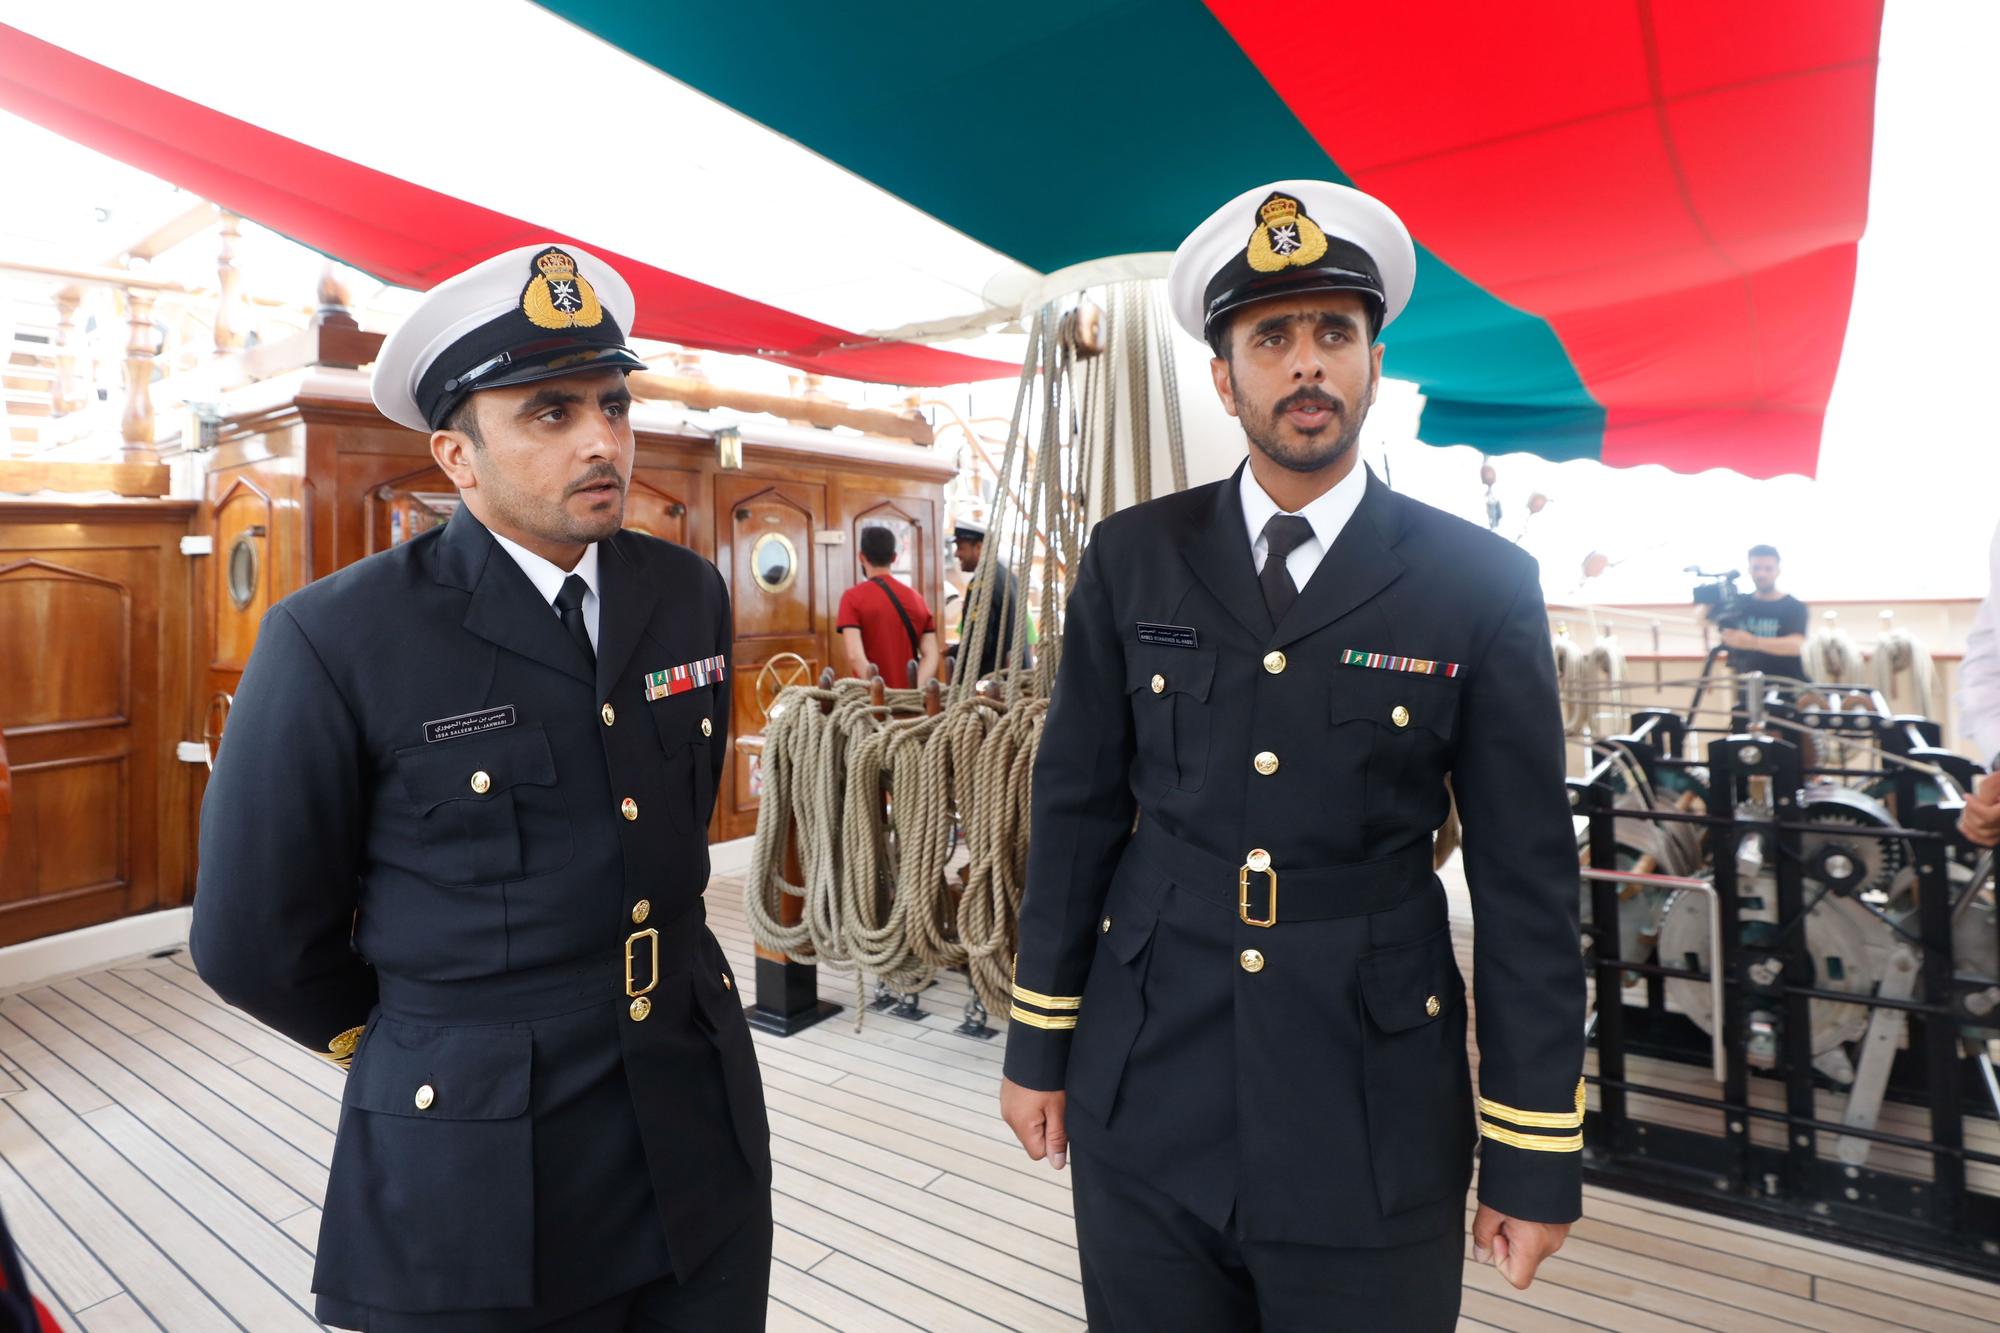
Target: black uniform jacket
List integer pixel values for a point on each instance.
(431, 820)
(1309, 1076)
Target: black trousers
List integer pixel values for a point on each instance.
(1151, 1266)
(727, 1294)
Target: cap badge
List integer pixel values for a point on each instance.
(558, 297)
(1285, 237)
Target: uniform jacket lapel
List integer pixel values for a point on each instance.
(1361, 564)
(505, 608)
(1218, 550)
(625, 609)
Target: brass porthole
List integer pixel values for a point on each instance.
(774, 562)
(244, 569)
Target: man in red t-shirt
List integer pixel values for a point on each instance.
(883, 620)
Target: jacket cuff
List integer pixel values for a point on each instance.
(1037, 1057)
(1531, 1161)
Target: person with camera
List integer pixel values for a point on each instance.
(1765, 631)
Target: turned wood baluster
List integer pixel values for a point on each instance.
(68, 394)
(229, 308)
(137, 423)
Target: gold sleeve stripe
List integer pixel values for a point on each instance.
(1532, 1142)
(1041, 1001)
(1537, 1119)
(1020, 1015)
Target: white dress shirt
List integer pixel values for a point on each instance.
(548, 579)
(1328, 515)
(1979, 673)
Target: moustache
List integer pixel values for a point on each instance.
(596, 476)
(1308, 397)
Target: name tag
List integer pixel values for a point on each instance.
(469, 724)
(1171, 636)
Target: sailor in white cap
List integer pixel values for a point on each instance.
(456, 840)
(1236, 990)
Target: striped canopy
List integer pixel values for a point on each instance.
(1636, 222)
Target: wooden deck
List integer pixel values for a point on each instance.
(162, 1159)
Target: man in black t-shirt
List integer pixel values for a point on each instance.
(1773, 629)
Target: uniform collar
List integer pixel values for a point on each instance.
(546, 575)
(1328, 514)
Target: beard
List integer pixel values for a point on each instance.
(551, 519)
(1311, 451)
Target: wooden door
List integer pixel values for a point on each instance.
(93, 643)
(766, 549)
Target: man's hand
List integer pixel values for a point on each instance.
(1738, 638)
(1037, 1121)
(1980, 821)
(1514, 1247)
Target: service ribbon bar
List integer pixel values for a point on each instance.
(690, 676)
(1387, 662)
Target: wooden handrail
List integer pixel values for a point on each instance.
(103, 277)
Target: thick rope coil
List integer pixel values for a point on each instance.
(1898, 654)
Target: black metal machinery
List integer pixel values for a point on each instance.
(1806, 959)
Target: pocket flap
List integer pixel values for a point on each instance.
(442, 1073)
(679, 717)
(1400, 984)
(515, 757)
(1187, 671)
(1132, 910)
(1362, 694)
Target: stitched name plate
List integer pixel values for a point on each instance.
(1171, 636)
(469, 724)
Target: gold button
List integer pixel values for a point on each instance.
(1267, 763)
(725, 982)
(481, 783)
(640, 911)
(1259, 861)
(1274, 663)
(608, 713)
(1252, 960)
(425, 1096)
(1432, 1007)
(1159, 684)
(641, 1006)
(707, 727)
(1400, 716)
(629, 808)
(1105, 929)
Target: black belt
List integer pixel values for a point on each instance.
(1312, 893)
(619, 974)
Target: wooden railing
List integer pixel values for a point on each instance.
(61, 398)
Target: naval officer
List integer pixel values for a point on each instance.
(1244, 1009)
(456, 840)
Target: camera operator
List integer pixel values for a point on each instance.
(1766, 631)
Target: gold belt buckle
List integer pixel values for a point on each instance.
(1259, 863)
(652, 938)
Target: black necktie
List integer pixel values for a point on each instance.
(1282, 535)
(569, 602)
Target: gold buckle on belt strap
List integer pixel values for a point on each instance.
(1259, 863)
(652, 938)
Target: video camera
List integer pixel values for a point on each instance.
(1719, 595)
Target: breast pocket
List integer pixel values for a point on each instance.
(1401, 725)
(1169, 689)
(488, 808)
(687, 728)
